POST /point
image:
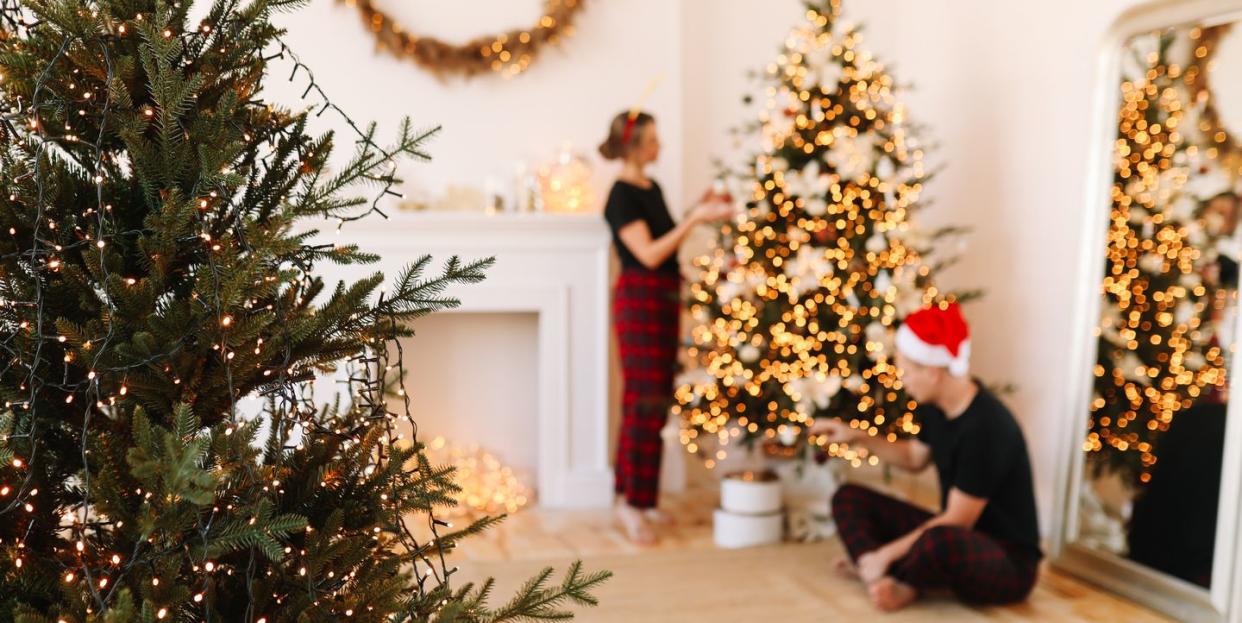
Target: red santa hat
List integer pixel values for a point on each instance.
(937, 337)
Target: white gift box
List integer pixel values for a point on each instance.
(750, 493)
(750, 511)
(734, 530)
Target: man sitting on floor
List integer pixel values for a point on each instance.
(984, 544)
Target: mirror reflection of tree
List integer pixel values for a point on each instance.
(1156, 429)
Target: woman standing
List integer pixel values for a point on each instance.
(646, 309)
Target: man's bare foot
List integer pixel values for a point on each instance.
(846, 567)
(635, 524)
(659, 517)
(890, 595)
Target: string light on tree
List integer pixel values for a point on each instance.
(795, 309)
(152, 280)
(1156, 355)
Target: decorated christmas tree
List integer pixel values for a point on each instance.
(156, 267)
(1158, 354)
(795, 310)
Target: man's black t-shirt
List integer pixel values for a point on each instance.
(982, 453)
(628, 203)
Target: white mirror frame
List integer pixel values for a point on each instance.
(1173, 596)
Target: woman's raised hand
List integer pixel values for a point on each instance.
(713, 207)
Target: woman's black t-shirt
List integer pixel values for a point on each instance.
(982, 453)
(628, 203)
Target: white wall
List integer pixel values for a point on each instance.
(489, 123)
(1003, 86)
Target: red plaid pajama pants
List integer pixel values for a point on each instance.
(977, 567)
(646, 311)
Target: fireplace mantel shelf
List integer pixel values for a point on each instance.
(476, 224)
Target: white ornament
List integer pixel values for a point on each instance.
(890, 195)
(883, 283)
(1185, 312)
(877, 243)
(1189, 125)
(817, 206)
(815, 393)
(851, 156)
(1132, 368)
(1149, 230)
(829, 72)
(748, 353)
(1134, 62)
(809, 182)
(853, 383)
(808, 269)
(1194, 360)
(798, 235)
(728, 291)
(852, 298)
(885, 169)
(1151, 263)
(696, 378)
(876, 332)
(1113, 336)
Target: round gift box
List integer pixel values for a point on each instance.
(750, 493)
(733, 530)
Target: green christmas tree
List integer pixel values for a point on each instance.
(1156, 356)
(156, 267)
(795, 310)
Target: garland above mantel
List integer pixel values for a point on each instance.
(509, 53)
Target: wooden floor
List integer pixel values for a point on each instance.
(686, 579)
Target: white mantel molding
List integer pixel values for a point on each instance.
(556, 266)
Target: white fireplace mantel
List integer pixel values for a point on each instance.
(556, 266)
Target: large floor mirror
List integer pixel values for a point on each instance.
(1152, 471)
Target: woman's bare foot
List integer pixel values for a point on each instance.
(890, 595)
(846, 567)
(659, 517)
(635, 524)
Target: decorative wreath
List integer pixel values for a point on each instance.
(508, 53)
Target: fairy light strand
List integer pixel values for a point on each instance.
(796, 307)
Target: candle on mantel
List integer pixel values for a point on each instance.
(566, 183)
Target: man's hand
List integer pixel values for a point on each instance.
(874, 565)
(834, 430)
